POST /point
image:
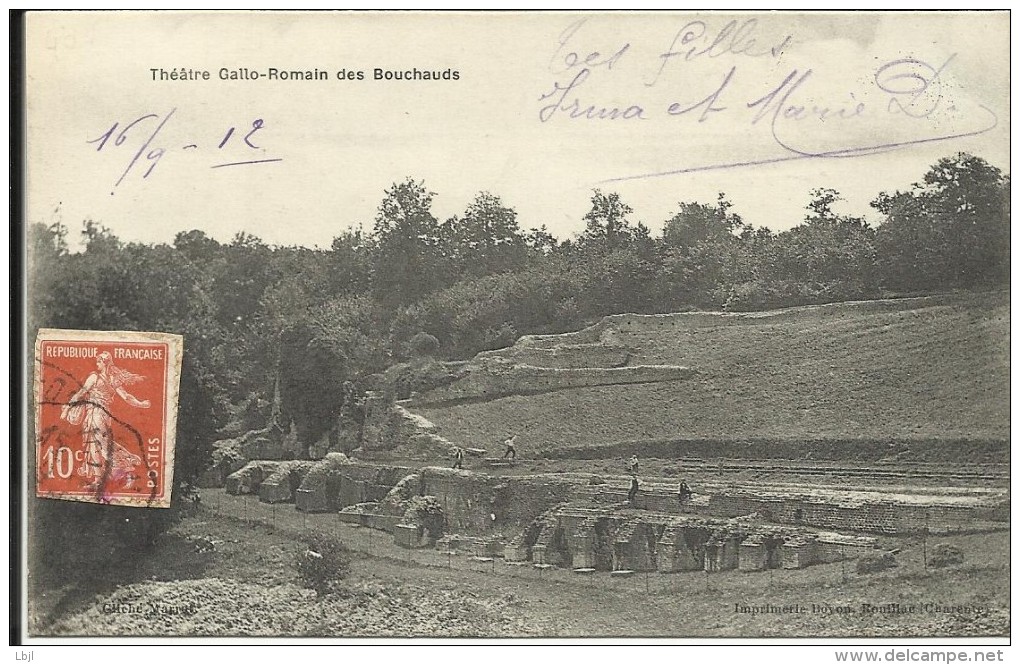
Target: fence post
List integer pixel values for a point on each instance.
(924, 541)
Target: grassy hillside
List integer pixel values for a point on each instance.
(925, 368)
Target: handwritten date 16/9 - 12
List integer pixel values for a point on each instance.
(141, 134)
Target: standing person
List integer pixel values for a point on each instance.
(685, 495)
(633, 489)
(90, 406)
(511, 448)
(458, 458)
(632, 465)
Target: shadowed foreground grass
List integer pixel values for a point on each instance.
(247, 586)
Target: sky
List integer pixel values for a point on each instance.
(544, 108)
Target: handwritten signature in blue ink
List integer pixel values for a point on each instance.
(153, 153)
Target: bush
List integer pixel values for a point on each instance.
(765, 294)
(943, 555)
(423, 345)
(875, 563)
(404, 379)
(325, 563)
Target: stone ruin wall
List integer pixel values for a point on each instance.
(567, 522)
(585, 538)
(469, 500)
(479, 503)
(392, 428)
(491, 381)
(287, 482)
(563, 356)
(885, 517)
(609, 327)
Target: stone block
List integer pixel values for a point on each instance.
(386, 523)
(753, 556)
(355, 518)
(666, 561)
(515, 551)
(584, 558)
(275, 492)
(376, 492)
(406, 535)
(237, 484)
(311, 501)
(722, 556)
(798, 554)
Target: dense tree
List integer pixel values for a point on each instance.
(699, 254)
(697, 223)
(407, 262)
(540, 242)
(486, 239)
(950, 231)
(312, 371)
(116, 286)
(197, 247)
(606, 227)
(829, 250)
(350, 268)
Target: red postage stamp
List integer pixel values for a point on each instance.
(106, 416)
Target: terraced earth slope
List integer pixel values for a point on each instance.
(932, 369)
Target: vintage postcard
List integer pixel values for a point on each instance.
(106, 416)
(685, 325)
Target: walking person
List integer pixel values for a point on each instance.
(632, 465)
(511, 448)
(633, 489)
(458, 458)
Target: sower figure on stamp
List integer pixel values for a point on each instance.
(511, 448)
(90, 406)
